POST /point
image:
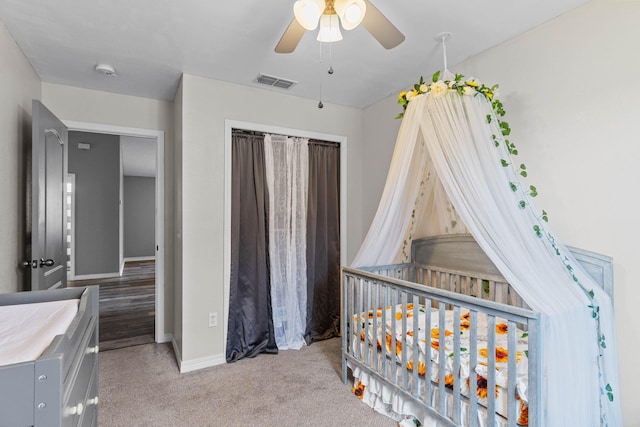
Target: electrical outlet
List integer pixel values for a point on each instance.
(213, 319)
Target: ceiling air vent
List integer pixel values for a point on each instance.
(274, 81)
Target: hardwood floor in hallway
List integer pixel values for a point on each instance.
(127, 306)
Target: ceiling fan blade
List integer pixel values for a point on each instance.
(291, 37)
(381, 28)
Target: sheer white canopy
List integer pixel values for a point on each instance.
(451, 172)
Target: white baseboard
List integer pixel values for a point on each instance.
(202, 363)
(95, 276)
(140, 258)
(196, 364)
(176, 351)
(165, 338)
(132, 259)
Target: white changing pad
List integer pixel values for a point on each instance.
(26, 330)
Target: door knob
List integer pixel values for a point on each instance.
(30, 264)
(47, 262)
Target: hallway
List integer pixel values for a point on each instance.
(127, 306)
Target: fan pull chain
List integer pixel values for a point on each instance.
(320, 104)
(330, 70)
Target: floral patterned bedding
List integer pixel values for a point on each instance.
(429, 338)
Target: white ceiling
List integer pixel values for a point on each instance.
(152, 42)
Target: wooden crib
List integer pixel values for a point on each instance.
(450, 285)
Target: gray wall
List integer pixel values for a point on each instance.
(97, 202)
(139, 216)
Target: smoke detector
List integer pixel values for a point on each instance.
(106, 69)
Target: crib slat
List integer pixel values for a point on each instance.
(464, 285)
(385, 330)
(512, 372)
(354, 310)
(441, 359)
(415, 353)
(456, 365)
(473, 363)
(374, 326)
(366, 307)
(504, 293)
(446, 282)
(403, 343)
(394, 327)
(428, 363)
(492, 291)
(491, 370)
(359, 311)
(535, 383)
(346, 334)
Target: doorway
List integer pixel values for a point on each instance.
(145, 272)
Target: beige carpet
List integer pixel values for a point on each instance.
(141, 386)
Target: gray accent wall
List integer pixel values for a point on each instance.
(139, 216)
(97, 219)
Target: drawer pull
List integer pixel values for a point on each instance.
(93, 401)
(74, 410)
(92, 350)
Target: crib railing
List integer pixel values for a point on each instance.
(404, 285)
(482, 286)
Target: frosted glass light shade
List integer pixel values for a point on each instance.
(307, 13)
(351, 12)
(329, 29)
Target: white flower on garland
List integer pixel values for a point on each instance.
(438, 88)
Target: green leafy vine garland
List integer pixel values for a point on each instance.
(473, 87)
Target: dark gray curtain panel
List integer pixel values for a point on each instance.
(250, 320)
(323, 242)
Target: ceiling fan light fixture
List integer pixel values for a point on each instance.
(351, 12)
(308, 12)
(329, 29)
(336, 13)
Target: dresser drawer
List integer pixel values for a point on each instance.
(80, 378)
(89, 416)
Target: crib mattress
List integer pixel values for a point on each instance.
(26, 330)
(428, 344)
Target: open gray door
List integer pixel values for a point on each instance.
(48, 257)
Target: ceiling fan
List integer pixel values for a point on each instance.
(329, 14)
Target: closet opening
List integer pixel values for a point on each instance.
(284, 234)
